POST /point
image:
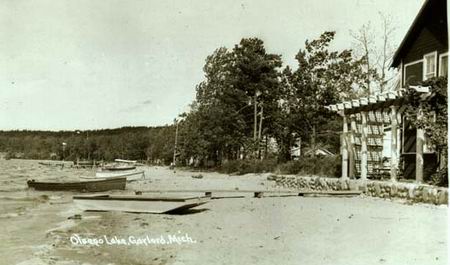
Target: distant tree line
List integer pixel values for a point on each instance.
(153, 144)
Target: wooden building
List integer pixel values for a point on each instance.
(377, 140)
(423, 53)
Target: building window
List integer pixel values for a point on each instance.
(429, 67)
(413, 73)
(443, 64)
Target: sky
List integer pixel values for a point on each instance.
(92, 64)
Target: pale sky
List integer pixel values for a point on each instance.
(91, 64)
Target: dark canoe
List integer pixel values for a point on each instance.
(118, 168)
(81, 186)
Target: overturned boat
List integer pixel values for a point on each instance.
(97, 185)
(136, 203)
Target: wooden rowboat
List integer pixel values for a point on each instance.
(81, 186)
(136, 203)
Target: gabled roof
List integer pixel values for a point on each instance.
(415, 29)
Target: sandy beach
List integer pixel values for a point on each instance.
(37, 227)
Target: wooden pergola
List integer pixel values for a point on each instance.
(364, 122)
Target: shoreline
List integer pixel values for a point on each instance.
(284, 230)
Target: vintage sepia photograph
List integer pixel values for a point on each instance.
(199, 132)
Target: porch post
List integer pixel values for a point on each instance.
(399, 135)
(420, 137)
(419, 155)
(364, 133)
(352, 154)
(344, 147)
(394, 155)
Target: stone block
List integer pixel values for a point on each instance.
(411, 193)
(394, 191)
(442, 197)
(377, 189)
(352, 184)
(425, 195)
(323, 183)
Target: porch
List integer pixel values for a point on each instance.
(377, 141)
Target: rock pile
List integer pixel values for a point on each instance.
(383, 189)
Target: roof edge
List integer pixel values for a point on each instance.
(395, 58)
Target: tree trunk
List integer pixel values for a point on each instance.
(255, 117)
(313, 141)
(265, 147)
(284, 154)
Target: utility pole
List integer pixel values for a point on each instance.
(300, 146)
(255, 124)
(255, 118)
(176, 141)
(260, 131)
(313, 141)
(88, 146)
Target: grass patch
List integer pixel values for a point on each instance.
(241, 167)
(327, 166)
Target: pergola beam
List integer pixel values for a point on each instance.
(363, 101)
(373, 101)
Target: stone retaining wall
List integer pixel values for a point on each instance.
(412, 192)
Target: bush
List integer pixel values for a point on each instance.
(434, 120)
(327, 166)
(241, 167)
(440, 178)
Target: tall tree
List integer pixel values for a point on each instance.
(322, 78)
(256, 76)
(386, 53)
(375, 48)
(239, 92)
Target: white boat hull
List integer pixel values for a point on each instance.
(130, 175)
